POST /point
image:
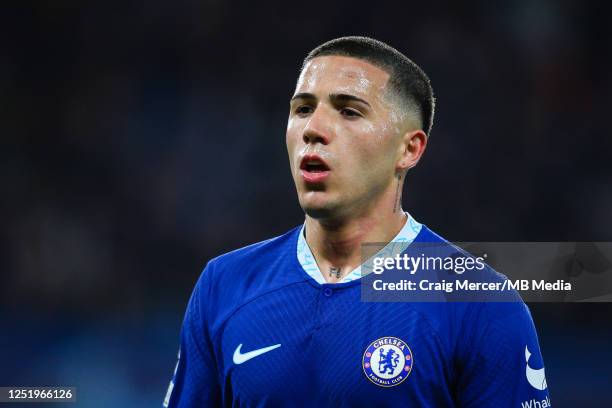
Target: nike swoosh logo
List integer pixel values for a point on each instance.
(240, 358)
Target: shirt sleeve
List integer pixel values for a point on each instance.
(195, 381)
(501, 364)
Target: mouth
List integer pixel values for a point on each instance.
(314, 169)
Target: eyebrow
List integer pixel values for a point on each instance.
(333, 96)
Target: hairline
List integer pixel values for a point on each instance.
(407, 104)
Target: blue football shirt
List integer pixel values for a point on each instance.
(261, 331)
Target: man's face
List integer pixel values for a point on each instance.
(342, 136)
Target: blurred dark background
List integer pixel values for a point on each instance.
(139, 140)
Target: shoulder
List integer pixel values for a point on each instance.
(258, 261)
(233, 279)
(469, 264)
(256, 253)
(491, 303)
(489, 309)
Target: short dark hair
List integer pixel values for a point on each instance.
(407, 79)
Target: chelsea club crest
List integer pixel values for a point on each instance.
(387, 362)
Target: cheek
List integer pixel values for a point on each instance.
(370, 153)
(372, 140)
(292, 139)
(290, 135)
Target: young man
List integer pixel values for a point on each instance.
(282, 323)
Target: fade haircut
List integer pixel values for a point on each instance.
(406, 79)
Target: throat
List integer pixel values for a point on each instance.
(337, 249)
(334, 272)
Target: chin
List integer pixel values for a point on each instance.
(316, 206)
(318, 213)
(321, 209)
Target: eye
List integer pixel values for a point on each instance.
(303, 110)
(351, 113)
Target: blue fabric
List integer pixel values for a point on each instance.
(457, 354)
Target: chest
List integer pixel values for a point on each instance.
(323, 346)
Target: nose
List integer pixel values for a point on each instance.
(317, 130)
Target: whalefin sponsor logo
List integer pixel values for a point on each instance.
(534, 403)
(535, 377)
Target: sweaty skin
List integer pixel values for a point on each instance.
(368, 144)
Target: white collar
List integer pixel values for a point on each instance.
(304, 255)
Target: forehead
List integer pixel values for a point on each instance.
(342, 74)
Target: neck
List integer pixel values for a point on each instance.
(337, 244)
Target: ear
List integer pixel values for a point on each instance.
(412, 148)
